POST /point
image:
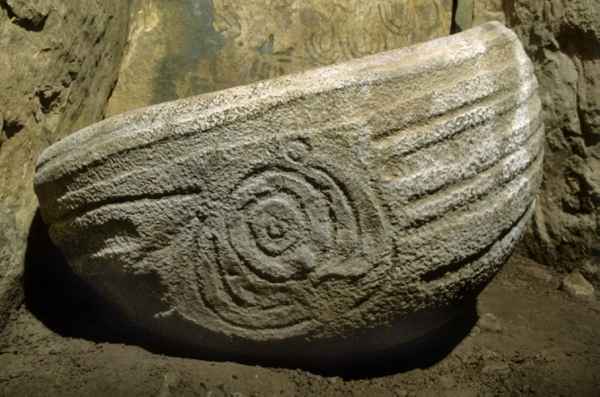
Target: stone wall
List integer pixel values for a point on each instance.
(58, 66)
(563, 39)
(183, 48)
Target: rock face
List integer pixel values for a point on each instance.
(59, 62)
(562, 37)
(331, 213)
(190, 47)
(471, 13)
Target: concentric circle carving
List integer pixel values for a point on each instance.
(286, 223)
(279, 232)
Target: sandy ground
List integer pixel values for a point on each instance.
(530, 338)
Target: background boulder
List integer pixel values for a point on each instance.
(58, 66)
(562, 37)
(189, 47)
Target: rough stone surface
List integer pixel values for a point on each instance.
(562, 37)
(58, 63)
(471, 13)
(591, 270)
(189, 47)
(495, 368)
(489, 322)
(577, 286)
(350, 207)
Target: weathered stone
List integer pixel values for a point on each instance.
(447, 382)
(563, 39)
(488, 10)
(577, 286)
(591, 270)
(336, 212)
(58, 63)
(189, 47)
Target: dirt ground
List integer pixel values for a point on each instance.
(530, 338)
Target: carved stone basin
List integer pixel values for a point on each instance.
(335, 213)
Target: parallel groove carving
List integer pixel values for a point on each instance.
(439, 274)
(269, 103)
(428, 209)
(501, 107)
(411, 138)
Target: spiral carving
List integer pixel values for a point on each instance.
(286, 221)
(282, 230)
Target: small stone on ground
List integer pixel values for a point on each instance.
(537, 271)
(577, 286)
(489, 322)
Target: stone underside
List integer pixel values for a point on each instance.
(345, 208)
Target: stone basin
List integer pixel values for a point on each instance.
(334, 214)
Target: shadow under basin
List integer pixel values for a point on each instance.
(66, 305)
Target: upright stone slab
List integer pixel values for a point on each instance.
(332, 213)
(53, 54)
(190, 47)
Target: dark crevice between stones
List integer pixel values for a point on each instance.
(454, 28)
(111, 91)
(577, 42)
(596, 253)
(31, 24)
(12, 128)
(66, 305)
(48, 98)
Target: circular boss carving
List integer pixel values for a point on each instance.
(286, 221)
